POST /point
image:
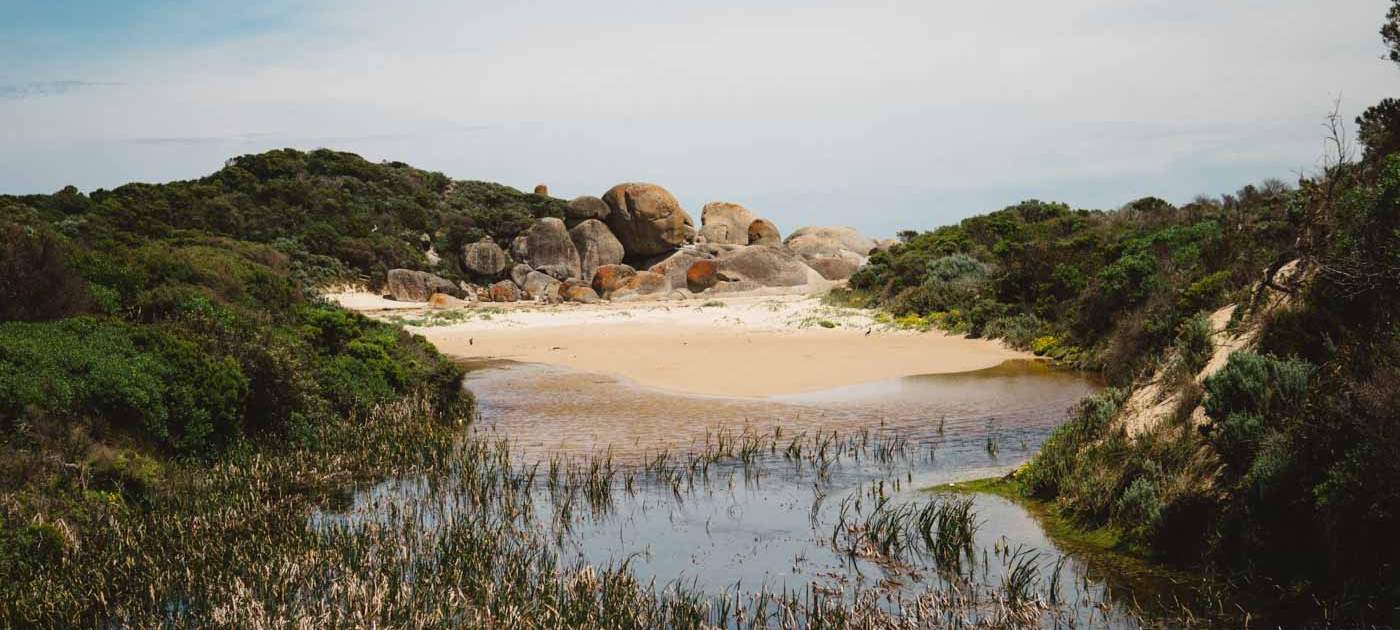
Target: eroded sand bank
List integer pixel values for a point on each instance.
(736, 346)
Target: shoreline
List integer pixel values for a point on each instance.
(749, 346)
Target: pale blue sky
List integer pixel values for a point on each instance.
(881, 115)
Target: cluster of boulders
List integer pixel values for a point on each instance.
(636, 241)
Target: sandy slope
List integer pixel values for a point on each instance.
(749, 346)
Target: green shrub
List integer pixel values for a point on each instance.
(1140, 506)
(125, 471)
(123, 377)
(1021, 331)
(1249, 397)
(25, 549)
(956, 267)
(1194, 345)
(1055, 464)
(38, 282)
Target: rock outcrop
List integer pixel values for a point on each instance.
(703, 275)
(763, 232)
(504, 291)
(596, 246)
(828, 241)
(520, 248)
(519, 273)
(675, 265)
(408, 285)
(558, 272)
(839, 267)
(443, 300)
(609, 278)
(539, 284)
(648, 283)
(835, 252)
(727, 223)
(764, 265)
(578, 293)
(584, 208)
(647, 219)
(547, 247)
(483, 258)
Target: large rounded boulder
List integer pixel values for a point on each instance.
(584, 208)
(835, 251)
(725, 223)
(609, 278)
(484, 258)
(548, 246)
(408, 285)
(504, 291)
(539, 284)
(576, 291)
(703, 275)
(648, 283)
(829, 241)
(675, 264)
(647, 219)
(767, 266)
(596, 246)
(763, 232)
(838, 267)
(519, 272)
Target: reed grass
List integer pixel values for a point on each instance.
(466, 535)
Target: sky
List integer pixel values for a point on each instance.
(879, 115)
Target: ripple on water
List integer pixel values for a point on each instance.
(769, 524)
(547, 410)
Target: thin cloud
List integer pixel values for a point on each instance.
(38, 89)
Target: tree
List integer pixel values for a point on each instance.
(1390, 30)
(1379, 127)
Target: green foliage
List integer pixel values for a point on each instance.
(1193, 344)
(956, 267)
(37, 282)
(1378, 128)
(26, 548)
(1048, 472)
(122, 377)
(1246, 398)
(330, 214)
(1020, 330)
(127, 472)
(178, 312)
(1111, 287)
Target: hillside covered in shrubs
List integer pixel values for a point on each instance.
(333, 216)
(157, 328)
(1254, 352)
(1100, 289)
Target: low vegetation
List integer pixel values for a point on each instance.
(1286, 475)
(153, 333)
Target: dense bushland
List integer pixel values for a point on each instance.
(153, 329)
(1099, 289)
(1292, 478)
(332, 215)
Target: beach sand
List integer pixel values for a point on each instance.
(746, 346)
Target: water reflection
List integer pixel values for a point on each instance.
(765, 517)
(547, 411)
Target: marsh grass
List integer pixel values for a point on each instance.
(256, 541)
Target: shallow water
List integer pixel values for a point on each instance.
(547, 411)
(771, 519)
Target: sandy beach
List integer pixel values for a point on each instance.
(748, 346)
